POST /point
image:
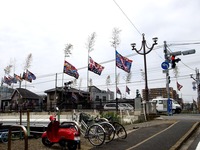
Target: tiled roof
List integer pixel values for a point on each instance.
(27, 94)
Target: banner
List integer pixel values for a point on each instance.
(127, 90)
(26, 77)
(123, 62)
(31, 75)
(95, 67)
(70, 70)
(118, 91)
(179, 86)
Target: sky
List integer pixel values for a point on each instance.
(43, 28)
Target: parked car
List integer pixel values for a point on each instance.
(121, 106)
(129, 106)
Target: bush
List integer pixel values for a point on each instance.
(114, 116)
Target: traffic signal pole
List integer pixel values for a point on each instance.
(169, 104)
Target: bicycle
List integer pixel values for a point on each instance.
(120, 131)
(94, 132)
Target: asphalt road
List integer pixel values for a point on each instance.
(164, 136)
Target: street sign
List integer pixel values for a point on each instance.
(176, 53)
(165, 65)
(192, 51)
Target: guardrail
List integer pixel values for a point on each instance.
(25, 136)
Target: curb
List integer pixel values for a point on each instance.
(182, 140)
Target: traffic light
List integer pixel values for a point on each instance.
(168, 79)
(174, 61)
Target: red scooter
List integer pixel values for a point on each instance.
(67, 134)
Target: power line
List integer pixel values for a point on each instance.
(127, 17)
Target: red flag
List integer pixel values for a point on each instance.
(123, 62)
(118, 91)
(70, 70)
(95, 67)
(127, 90)
(179, 86)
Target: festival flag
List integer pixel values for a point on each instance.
(127, 90)
(12, 79)
(18, 78)
(95, 67)
(6, 80)
(26, 77)
(30, 75)
(179, 86)
(123, 62)
(118, 91)
(70, 70)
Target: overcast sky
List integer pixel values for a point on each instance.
(44, 27)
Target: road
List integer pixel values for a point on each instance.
(167, 136)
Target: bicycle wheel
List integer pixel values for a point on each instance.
(110, 131)
(4, 137)
(120, 130)
(96, 135)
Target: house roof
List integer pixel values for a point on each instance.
(24, 93)
(60, 89)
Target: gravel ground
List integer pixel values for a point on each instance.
(36, 144)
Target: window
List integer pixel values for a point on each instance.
(104, 98)
(160, 102)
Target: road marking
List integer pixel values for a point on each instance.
(198, 146)
(184, 137)
(151, 137)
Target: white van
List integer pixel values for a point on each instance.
(161, 105)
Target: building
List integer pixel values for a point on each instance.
(162, 92)
(21, 99)
(71, 98)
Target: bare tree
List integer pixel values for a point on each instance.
(8, 68)
(118, 78)
(68, 49)
(176, 72)
(128, 77)
(28, 62)
(90, 42)
(80, 83)
(115, 38)
(108, 80)
(91, 83)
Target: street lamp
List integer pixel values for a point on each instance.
(144, 53)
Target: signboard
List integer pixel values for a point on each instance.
(165, 65)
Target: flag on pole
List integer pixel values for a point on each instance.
(70, 70)
(30, 75)
(118, 91)
(179, 86)
(12, 79)
(95, 67)
(17, 77)
(127, 90)
(26, 77)
(123, 62)
(6, 80)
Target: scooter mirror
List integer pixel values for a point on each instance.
(57, 108)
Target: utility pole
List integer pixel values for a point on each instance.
(198, 87)
(169, 104)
